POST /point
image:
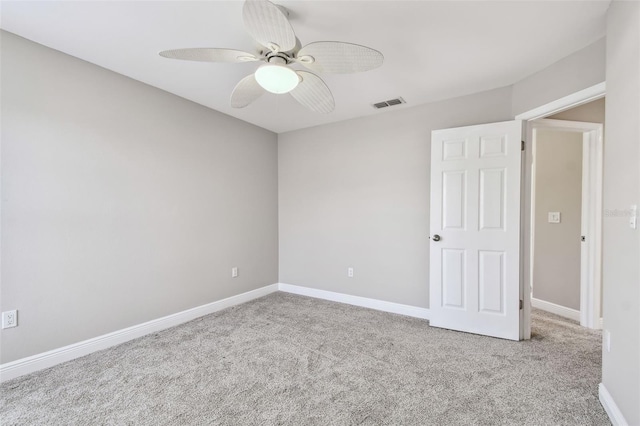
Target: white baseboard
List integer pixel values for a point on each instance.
(379, 305)
(47, 359)
(53, 357)
(563, 311)
(610, 406)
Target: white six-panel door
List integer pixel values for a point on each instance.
(475, 229)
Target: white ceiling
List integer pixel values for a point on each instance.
(433, 49)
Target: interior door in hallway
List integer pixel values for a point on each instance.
(475, 283)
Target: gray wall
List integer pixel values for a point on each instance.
(558, 180)
(621, 249)
(356, 193)
(578, 71)
(122, 203)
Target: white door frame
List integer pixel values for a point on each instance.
(584, 96)
(591, 206)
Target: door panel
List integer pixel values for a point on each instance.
(491, 281)
(453, 199)
(453, 273)
(475, 211)
(491, 200)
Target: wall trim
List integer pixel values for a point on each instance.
(563, 311)
(378, 305)
(53, 357)
(610, 406)
(573, 100)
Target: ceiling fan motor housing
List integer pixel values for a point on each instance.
(279, 58)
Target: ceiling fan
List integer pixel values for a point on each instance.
(268, 25)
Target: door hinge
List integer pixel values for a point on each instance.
(522, 146)
(521, 304)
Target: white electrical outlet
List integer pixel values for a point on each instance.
(9, 319)
(633, 219)
(234, 272)
(350, 272)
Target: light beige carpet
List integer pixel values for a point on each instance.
(286, 359)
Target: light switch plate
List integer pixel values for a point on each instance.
(554, 217)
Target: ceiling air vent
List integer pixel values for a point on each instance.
(390, 102)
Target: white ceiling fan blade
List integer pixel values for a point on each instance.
(245, 92)
(269, 25)
(339, 57)
(313, 93)
(209, 54)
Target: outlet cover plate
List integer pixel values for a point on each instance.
(10, 319)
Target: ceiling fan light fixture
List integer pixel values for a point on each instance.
(269, 25)
(276, 78)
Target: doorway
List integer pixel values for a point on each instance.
(590, 273)
(565, 210)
